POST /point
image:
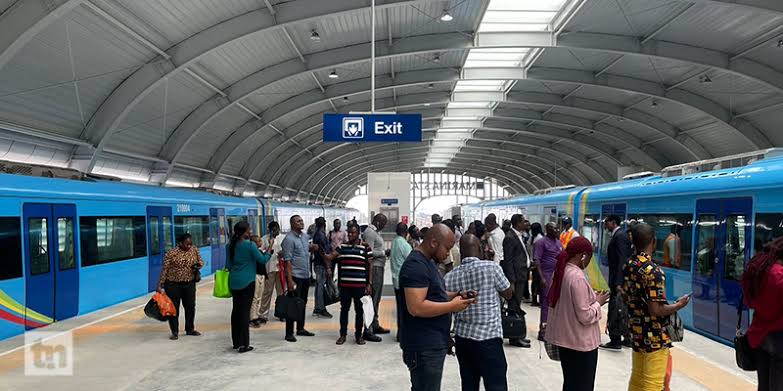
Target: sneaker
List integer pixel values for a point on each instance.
(304, 333)
(612, 346)
(290, 338)
(340, 340)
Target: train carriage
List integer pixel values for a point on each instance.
(72, 247)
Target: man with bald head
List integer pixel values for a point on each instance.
(427, 308)
(479, 329)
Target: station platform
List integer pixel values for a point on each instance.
(118, 348)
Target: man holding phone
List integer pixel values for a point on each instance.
(479, 330)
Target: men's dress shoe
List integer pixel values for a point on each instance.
(361, 341)
(525, 340)
(340, 340)
(193, 333)
(290, 338)
(627, 343)
(304, 333)
(381, 330)
(613, 346)
(372, 337)
(519, 343)
(244, 349)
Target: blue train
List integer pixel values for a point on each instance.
(708, 226)
(72, 247)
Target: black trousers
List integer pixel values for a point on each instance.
(578, 369)
(535, 285)
(526, 284)
(186, 293)
(240, 314)
(770, 371)
(302, 288)
(348, 295)
(613, 320)
(482, 360)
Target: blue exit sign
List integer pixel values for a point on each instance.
(372, 128)
(390, 201)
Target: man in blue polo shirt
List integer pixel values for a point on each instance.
(427, 308)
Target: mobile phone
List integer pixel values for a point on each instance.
(472, 294)
(689, 294)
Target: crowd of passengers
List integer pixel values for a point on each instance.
(479, 275)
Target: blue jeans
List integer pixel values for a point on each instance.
(482, 360)
(320, 279)
(426, 368)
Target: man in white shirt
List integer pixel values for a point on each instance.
(495, 236)
(261, 303)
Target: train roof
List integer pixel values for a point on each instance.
(40, 187)
(558, 197)
(759, 175)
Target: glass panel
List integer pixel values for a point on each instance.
(214, 230)
(110, 239)
(65, 243)
(705, 252)
(11, 244)
(167, 232)
(222, 231)
(154, 236)
(590, 228)
(673, 238)
(769, 226)
(39, 250)
(734, 263)
(196, 226)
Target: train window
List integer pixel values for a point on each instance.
(154, 235)
(196, 226)
(168, 240)
(39, 245)
(591, 227)
(232, 220)
(673, 237)
(705, 252)
(734, 262)
(112, 239)
(66, 247)
(11, 243)
(769, 226)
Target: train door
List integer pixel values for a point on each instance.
(723, 237)
(607, 210)
(52, 282)
(217, 237)
(160, 236)
(255, 224)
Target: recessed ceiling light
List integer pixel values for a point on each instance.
(314, 36)
(446, 17)
(333, 75)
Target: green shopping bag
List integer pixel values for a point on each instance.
(221, 288)
(596, 278)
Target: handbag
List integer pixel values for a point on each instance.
(513, 326)
(744, 354)
(196, 274)
(675, 328)
(331, 293)
(221, 288)
(552, 351)
(289, 307)
(152, 311)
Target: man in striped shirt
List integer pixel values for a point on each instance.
(352, 261)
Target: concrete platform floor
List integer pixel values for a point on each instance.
(118, 348)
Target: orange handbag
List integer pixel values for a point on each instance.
(165, 304)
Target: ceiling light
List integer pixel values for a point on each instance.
(333, 75)
(314, 36)
(446, 17)
(426, 104)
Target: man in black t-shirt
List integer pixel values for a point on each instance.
(427, 308)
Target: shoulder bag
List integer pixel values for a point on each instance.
(743, 352)
(675, 328)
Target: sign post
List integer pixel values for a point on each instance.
(359, 128)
